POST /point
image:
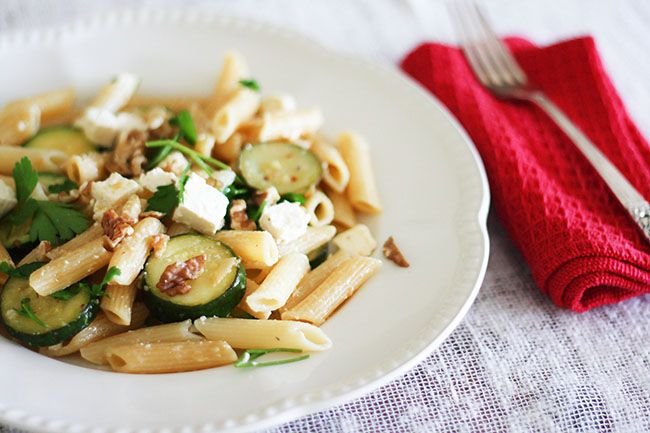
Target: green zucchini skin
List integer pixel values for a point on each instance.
(168, 312)
(54, 336)
(69, 140)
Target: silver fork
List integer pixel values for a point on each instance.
(499, 72)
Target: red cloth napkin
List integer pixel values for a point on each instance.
(582, 248)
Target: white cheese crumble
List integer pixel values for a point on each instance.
(224, 178)
(203, 207)
(152, 179)
(285, 221)
(7, 198)
(110, 192)
(102, 126)
(175, 163)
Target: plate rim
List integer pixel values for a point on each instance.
(279, 412)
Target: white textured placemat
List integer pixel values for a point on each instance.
(516, 363)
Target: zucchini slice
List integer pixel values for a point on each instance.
(64, 138)
(214, 293)
(12, 236)
(50, 179)
(318, 255)
(63, 318)
(287, 167)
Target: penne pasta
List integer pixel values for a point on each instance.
(333, 291)
(251, 286)
(85, 168)
(99, 329)
(174, 103)
(229, 151)
(264, 334)
(171, 332)
(52, 105)
(320, 209)
(171, 357)
(51, 161)
(117, 302)
(70, 267)
(205, 144)
(289, 125)
(344, 215)
(19, 124)
(314, 238)
(132, 252)
(362, 188)
(356, 241)
(38, 254)
(335, 172)
(282, 102)
(257, 249)
(278, 285)
(116, 94)
(233, 70)
(239, 108)
(94, 232)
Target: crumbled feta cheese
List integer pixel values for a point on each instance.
(152, 179)
(111, 192)
(285, 221)
(175, 163)
(7, 198)
(102, 126)
(223, 178)
(203, 207)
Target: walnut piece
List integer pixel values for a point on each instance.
(115, 229)
(176, 277)
(239, 218)
(128, 156)
(391, 252)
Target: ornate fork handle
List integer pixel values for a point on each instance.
(631, 199)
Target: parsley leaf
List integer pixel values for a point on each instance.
(255, 216)
(25, 178)
(251, 84)
(66, 186)
(26, 311)
(23, 212)
(23, 271)
(98, 289)
(66, 294)
(248, 359)
(158, 157)
(167, 197)
(56, 222)
(186, 124)
(293, 197)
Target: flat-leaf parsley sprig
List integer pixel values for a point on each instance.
(168, 197)
(26, 311)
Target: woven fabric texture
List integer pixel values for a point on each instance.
(516, 363)
(583, 249)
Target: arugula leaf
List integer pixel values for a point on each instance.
(26, 311)
(56, 222)
(251, 84)
(186, 124)
(248, 359)
(66, 186)
(98, 289)
(66, 294)
(25, 178)
(293, 197)
(23, 271)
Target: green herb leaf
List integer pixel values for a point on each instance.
(181, 183)
(69, 293)
(232, 192)
(187, 151)
(255, 216)
(158, 156)
(25, 178)
(23, 271)
(293, 197)
(23, 212)
(56, 222)
(26, 311)
(164, 200)
(186, 124)
(251, 84)
(248, 359)
(66, 186)
(97, 290)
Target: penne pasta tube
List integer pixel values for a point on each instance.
(282, 102)
(356, 241)
(344, 215)
(38, 254)
(229, 151)
(257, 249)
(314, 238)
(251, 286)
(86, 167)
(51, 161)
(320, 209)
(117, 93)
(239, 108)
(264, 334)
(132, 252)
(233, 70)
(171, 357)
(289, 125)
(52, 105)
(204, 144)
(314, 278)
(70, 267)
(171, 332)
(100, 328)
(334, 290)
(278, 285)
(362, 188)
(335, 172)
(174, 103)
(117, 302)
(19, 124)
(94, 232)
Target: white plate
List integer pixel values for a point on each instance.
(431, 182)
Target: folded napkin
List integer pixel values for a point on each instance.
(582, 248)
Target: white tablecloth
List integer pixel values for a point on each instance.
(516, 363)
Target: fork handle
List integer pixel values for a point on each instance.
(630, 198)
